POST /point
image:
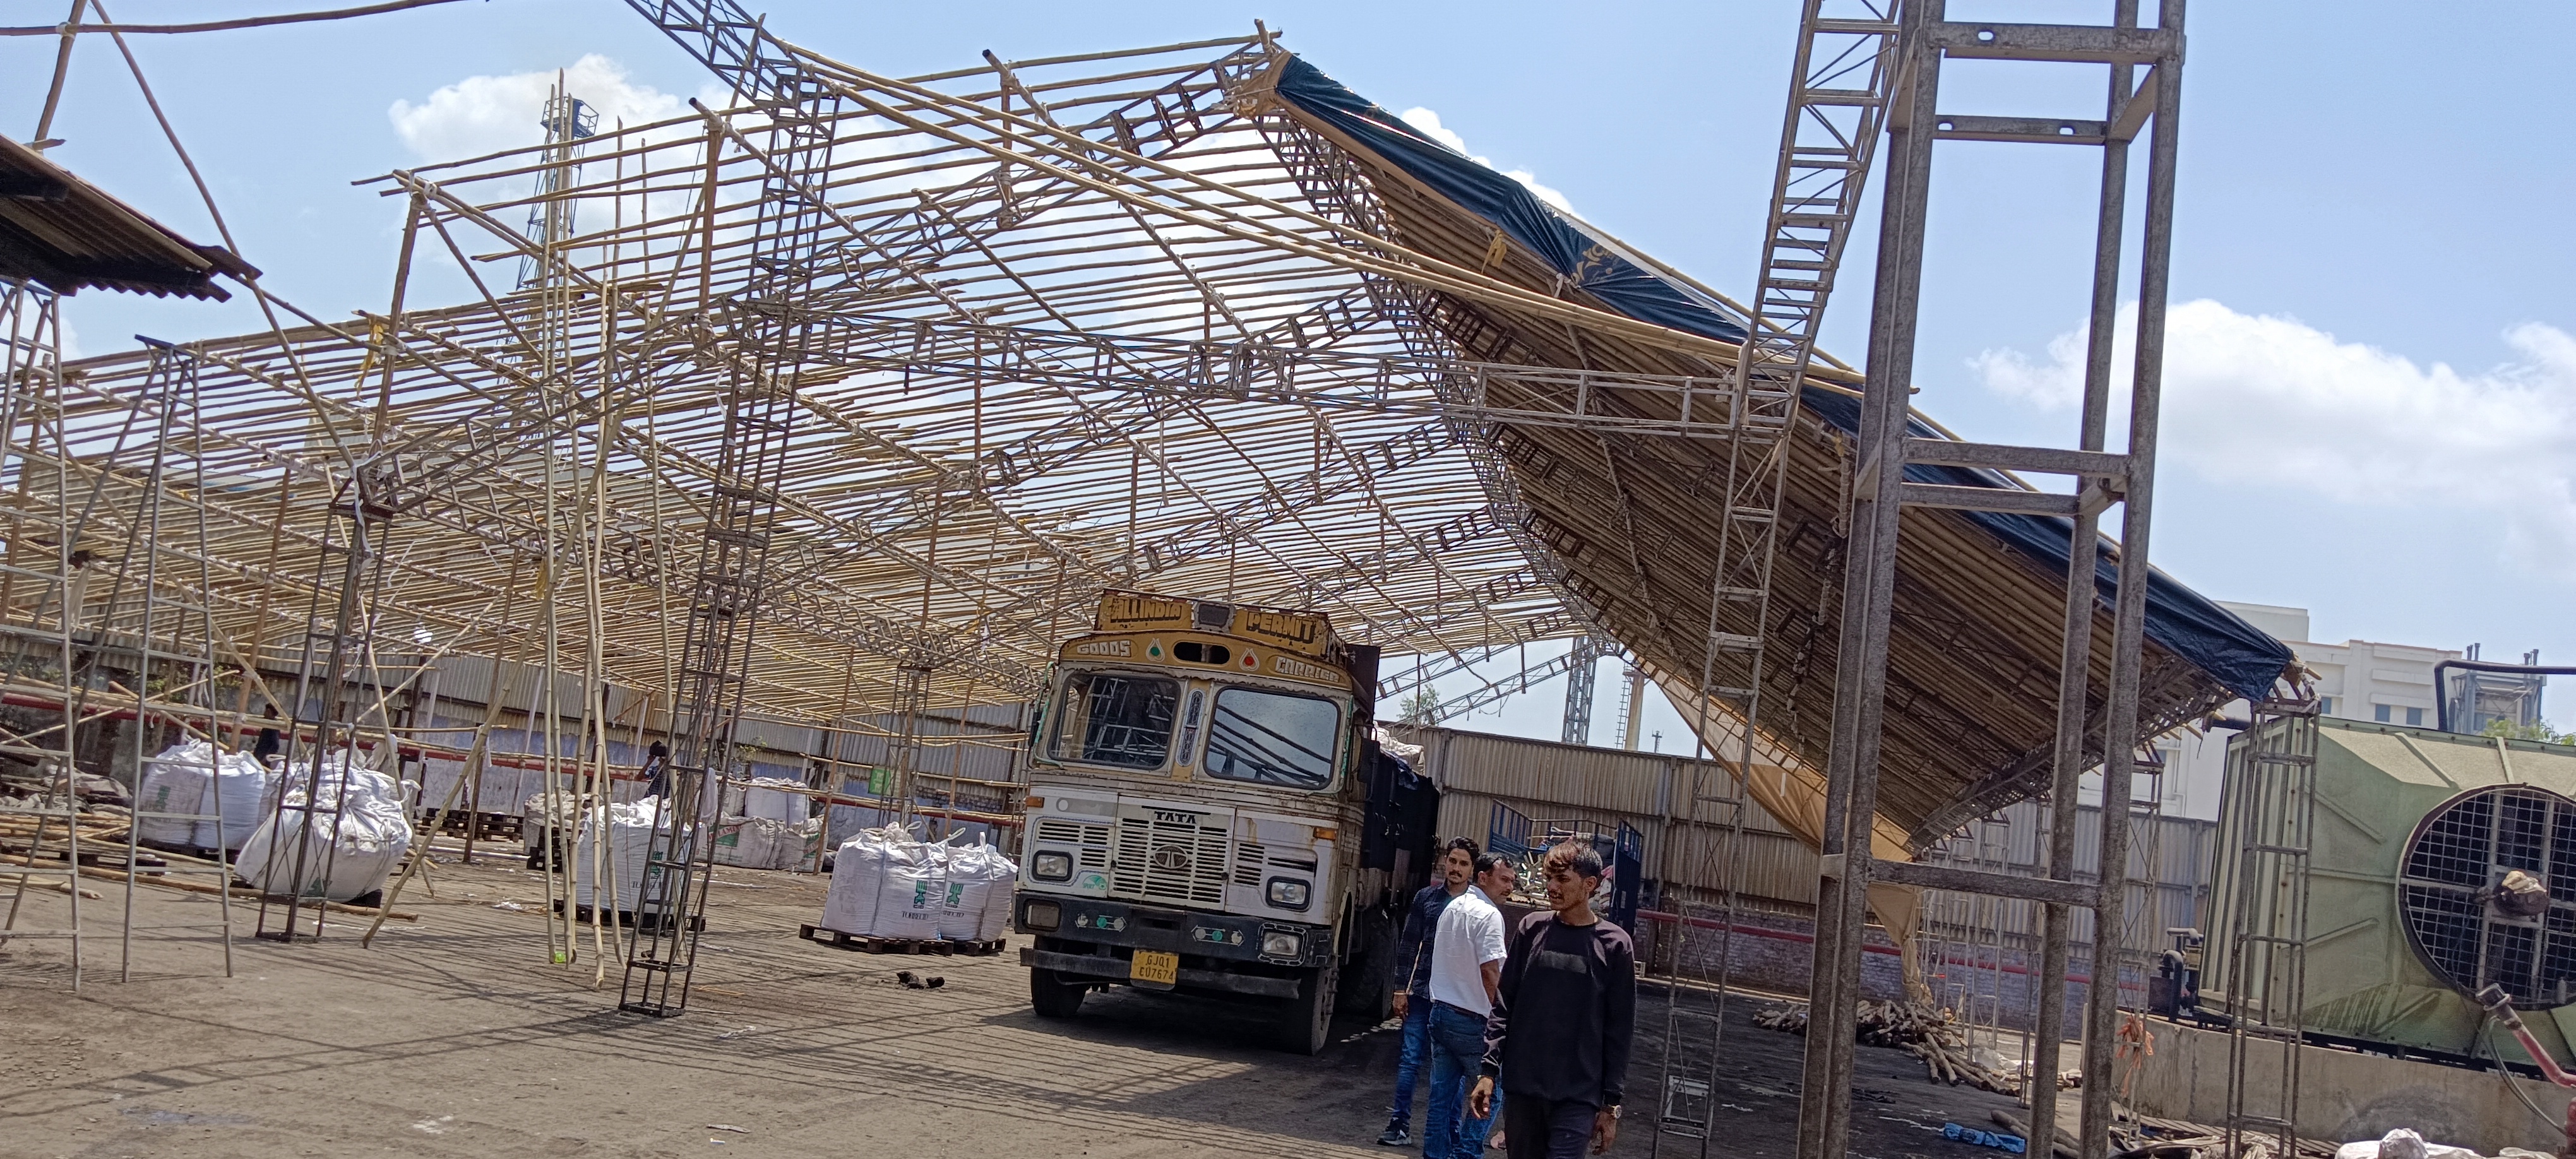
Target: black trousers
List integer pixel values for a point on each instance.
(1540, 1129)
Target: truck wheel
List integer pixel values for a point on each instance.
(1306, 1021)
(1052, 997)
(1363, 991)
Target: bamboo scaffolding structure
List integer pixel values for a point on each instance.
(1105, 318)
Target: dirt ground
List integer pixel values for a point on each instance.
(452, 1036)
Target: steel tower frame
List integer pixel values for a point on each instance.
(1883, 488)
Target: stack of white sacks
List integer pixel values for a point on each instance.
(191, 777)
(349, 841)
(768, 843)
(888, 884)
(630, 841)
(767, 825)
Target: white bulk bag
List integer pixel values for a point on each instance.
(757, 843)
(245, 794)
(192, 777)
(885, 884)
(727, 838)
(800, 846)
(337, 774)
(910, 893)
(1000, 874)
(173, 782)
(974, 873)
(351, 839)
(850, 903)
(630, 842)
(775, 799)
(769, 844)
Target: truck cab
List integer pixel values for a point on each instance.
(1202, 780)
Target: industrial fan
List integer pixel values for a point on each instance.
(2489, 893)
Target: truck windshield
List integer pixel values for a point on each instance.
(1114, 718)
(1272, 738)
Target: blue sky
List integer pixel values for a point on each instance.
(2372, 411)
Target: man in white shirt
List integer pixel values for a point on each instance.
(1467, 951)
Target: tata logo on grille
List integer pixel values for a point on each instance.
(1175, 817)
(1169, 859)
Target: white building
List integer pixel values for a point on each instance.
(2356, 679)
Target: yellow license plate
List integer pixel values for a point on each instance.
(1155, 968)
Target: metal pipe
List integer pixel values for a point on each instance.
(2442, 692)
(2500, 1007)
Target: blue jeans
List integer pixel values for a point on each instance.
(1408, 1066)
(1457, 1057)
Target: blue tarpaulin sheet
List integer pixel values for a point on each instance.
(2238, 655)
(1590, 262)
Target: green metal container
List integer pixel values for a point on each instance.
(2366, 981)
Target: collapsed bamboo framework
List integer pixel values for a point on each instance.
(1077, 322)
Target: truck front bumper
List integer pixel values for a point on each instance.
(1114, 969)
(1098, 938)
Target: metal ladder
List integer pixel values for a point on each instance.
(30, 370)
(2270, 819)
(172, 390)
(733, 567)
(1696, 986)
(1840, 84)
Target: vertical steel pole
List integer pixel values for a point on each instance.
(2120, 738)
(1869, 579)
(2082, 590)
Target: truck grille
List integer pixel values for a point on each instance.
(1090, 842)
(1171, 860)
(1248, 859)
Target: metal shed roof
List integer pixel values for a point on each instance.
(64, 233)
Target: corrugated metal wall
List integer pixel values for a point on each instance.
(1545, 780)
(979, 744)
(2169, 861)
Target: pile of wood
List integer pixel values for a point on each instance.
(100, 827)
(1924, 1031)
(2148, 1137)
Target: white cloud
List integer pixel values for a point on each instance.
(2271, 402)
(1428, 123)
(484, 114)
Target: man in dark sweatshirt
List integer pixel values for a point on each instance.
(1412, 980)
(1560, 1035)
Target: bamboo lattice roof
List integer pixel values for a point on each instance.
(1124, 319)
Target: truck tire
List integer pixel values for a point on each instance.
(1363, 990)
(1306, 1021)
(1052, 997)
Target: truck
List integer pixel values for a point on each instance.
(1211, 810)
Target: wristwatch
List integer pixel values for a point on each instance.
(1613, 1109)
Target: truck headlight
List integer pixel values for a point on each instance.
(1051, 866)
(1290, 893)
(1043, 915)
(1281, 944)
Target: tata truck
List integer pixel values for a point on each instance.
(1210, 812)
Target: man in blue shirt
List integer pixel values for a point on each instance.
(1413, 971)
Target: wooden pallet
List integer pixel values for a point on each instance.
(627, 918)
(485, 826)
(864, 944)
